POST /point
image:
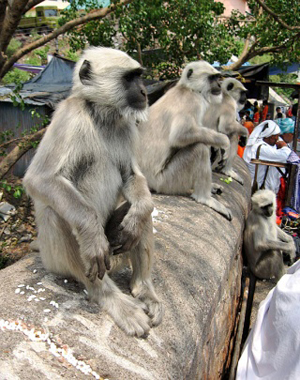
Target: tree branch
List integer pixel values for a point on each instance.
(94, 15)
(276, 17)
(19, 151)
(242, 58)
(11, 21)
(31, 4)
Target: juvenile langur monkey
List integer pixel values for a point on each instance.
(264, 241)
(223, 119)
(83, 165)
(175, 146)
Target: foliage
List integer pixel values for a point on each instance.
(284, 78)
(16, 190)
(13, 46)
(176, 32)
(275, 31)
(15, 76)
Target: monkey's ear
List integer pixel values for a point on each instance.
(230, 87)
(189, 73)
(85, 72)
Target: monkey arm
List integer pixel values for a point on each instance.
(59, 193)
(284, 237)
(229, 125)
(136, 192)
(268, 244)
(184, 131)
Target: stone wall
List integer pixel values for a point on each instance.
(48, 330)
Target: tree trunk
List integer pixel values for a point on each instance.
(19, 151)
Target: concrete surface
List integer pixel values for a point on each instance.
(48, 330)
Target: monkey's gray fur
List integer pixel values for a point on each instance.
(175, 146)
(264, 241)
(83, 166)
(223, 119)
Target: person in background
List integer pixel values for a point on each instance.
(265, 110)
(279, 113)
(256, 117)
(248, 124)
(265, 138)
(289, 112)
(287, 127)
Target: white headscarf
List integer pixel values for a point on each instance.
(265, 129)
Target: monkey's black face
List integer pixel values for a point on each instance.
(136, 93)
(243, 97)
(267, 210)
(215, 83)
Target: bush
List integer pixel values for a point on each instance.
(16, 76)
(13, 46)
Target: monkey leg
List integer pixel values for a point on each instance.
(203, 183)
(269, 265)
(60, 254)
(190, 168)
(232, 154)
(141, 284)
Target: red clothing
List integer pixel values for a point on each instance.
(249, 125)
(264, 113)
(256, 117)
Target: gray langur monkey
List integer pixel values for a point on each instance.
(175, 145)
(264, 241)
(83, 165)
(224, 119)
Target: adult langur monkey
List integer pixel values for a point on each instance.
(174, 152)
(264, 241)
(223, 118)
(83, 165)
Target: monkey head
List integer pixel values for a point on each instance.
(111, 79)
(264, 203)
(236, 90)
(201, 77)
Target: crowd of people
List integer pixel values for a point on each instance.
(270, 139)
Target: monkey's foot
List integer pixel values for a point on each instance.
(217, 189)
(144, 291)
(34, 246)
(129, 314)
(214, 204)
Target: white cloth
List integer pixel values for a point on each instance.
(268, 153)
(272, 350)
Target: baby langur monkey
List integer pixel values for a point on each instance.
(223, 118)
(264, 241)
(83, 166)
(174, 152)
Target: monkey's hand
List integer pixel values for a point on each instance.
(95, 255)
(128, 235)
(223, 160)
(290, 249)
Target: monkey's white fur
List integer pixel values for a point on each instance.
(84, 164)
(264, 241)
(224, 119)
(174, 145)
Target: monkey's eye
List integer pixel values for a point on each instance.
(215, 77)
(132, 75)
